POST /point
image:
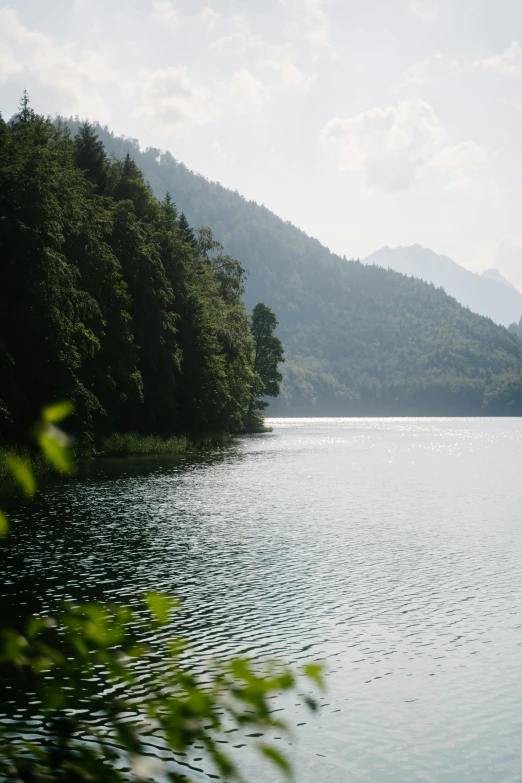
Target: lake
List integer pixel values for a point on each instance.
(391, 549)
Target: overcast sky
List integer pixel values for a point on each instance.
(367, 123)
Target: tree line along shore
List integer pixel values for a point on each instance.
(110, 299)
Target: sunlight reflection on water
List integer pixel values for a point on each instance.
(391, 548)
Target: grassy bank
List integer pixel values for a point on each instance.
(117, 445)
(131, 444)
(256, 428)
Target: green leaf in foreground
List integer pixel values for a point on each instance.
(314, 671)
(189, 712)
(276, 758)
(4, 525)
(161, 606)
(57, 412)
(22, 473)
(55, 446)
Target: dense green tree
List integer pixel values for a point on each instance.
(153, 322)
(516, 329)
(268, 355)
(43, 309)
(108, 297)
(201, 390)
(91, 157)
(187, 230)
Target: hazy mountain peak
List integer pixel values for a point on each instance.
(489, 294)
(495, 274)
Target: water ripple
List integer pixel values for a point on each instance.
(390, 548)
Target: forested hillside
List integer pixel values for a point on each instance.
(359, 339)
(516, 328)
(109, 298)
(489, 294)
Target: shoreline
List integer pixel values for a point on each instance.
(115, 446)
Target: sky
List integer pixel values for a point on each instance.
(368, 123)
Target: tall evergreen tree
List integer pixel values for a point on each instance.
(153, 323)
(43, 312)
(268, 354)
(112, 373)
(189, 235)
(91, 156)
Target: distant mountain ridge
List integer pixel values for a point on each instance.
(495, 274)
(489, 294)
(359, 340)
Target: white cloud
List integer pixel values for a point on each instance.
(311, 23)
(170, 101)
(427, 10)
(508, 259)
(239, 39)
(291, 77)
(166, 14)
(75, 73)
(318, 22)
(461, 162)
(421, 72)
(439, 66)
(507, 64)
(468, 156)
(219, 152)
(244, 92)
(9, 66)
(388, 146)
(208, 19)
(429, 71)
(393, 147)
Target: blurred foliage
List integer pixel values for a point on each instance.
(22, 473)
(86, 657)
(55, 448)
(92, 716)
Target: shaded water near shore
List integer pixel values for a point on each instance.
(390, 548)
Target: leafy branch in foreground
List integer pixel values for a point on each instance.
(88, 657)
(95, 714)
(54, 446)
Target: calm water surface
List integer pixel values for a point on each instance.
(390, 548)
